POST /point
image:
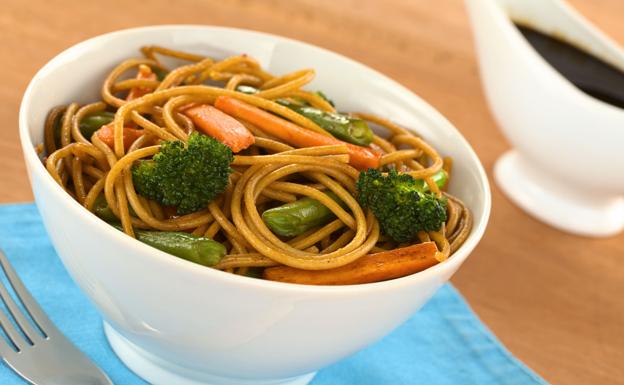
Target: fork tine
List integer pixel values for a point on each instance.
(6, 352)
(31, 306)
(18, 316)
(14, 336)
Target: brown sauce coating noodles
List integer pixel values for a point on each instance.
(268, 173)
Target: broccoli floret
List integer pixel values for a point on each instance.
(400, 204)
(186, 177)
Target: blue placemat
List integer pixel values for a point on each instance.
(443, 344)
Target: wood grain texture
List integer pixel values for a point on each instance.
(554, 299)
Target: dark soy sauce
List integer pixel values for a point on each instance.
(588, 73)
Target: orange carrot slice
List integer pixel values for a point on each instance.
(107, 135)
(220, 126)
(360, 157)
(145, 72)
(369, 268)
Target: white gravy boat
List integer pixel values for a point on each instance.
(567, 165)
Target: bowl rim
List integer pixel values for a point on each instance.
(437, 119)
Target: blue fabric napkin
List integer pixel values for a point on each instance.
(443, 344)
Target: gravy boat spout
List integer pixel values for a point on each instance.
(567, 163)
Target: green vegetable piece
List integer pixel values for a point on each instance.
(187, 246)
(401, 203)
(94, 121)
(344, 127)
(186, 177)
(254, 272)
(294, 103)
(160, 73)
(294, 218)
(439, 179)
(58, 122)
(183, 245)
(247, 89)
(328, 100)
(351, 130)
(102, 210)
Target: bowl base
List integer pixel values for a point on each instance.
(557, 205)
(159, 372)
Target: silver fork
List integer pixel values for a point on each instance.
(46, 357)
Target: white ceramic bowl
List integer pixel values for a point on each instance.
(175, 322)
(567, 163)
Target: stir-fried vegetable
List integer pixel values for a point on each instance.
(194, 248)
(186, 177)
(400, 203)
(250, 90)
(102, 210)
(360, 157)
(324, 97)
(107, 135)
(187, 246)
(247, 89)
(93, 122)
(202, 250)
(344, 127)
(341, 126)
(145, 73)
(160, 73)
(440, 178)
(369, 268)
(292, 219)
(220, 126)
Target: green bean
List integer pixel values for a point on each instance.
(201, 250)
(341, 126)
(187, 246)
(254, 272)
(324, 97)
(194, 248)
(101, 209)
(92, 122)
(247, 89)
(160, 73)
(294, 218)
(440, 178)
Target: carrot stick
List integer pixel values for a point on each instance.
(107, 135)
(369, 268)
(360, 157)
(146, 73)
(220, 126)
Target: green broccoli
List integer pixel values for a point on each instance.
(400, 203)
(186, 177)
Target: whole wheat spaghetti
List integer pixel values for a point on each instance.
(285, 154)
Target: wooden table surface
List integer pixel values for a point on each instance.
(554, 299)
